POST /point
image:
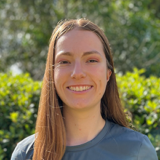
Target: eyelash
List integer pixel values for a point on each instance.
(89, 61)
(93, 61)
(62, 62)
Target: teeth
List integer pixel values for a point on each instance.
(80, 88)
(77, 88)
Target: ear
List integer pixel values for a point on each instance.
(109, 72)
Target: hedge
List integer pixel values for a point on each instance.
(141, 97)
(19, 100)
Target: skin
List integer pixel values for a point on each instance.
(80, 61)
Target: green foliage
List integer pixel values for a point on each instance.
(19, 97)
(26, 27)
(141, 97)
(132, 28)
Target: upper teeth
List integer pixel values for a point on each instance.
(80, 88)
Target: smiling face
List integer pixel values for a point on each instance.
(80, 73)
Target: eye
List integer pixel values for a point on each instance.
(64, 62)
(92, 61)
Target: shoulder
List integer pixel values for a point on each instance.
(24, 149)
(133, 142)
(119, 132)
(147, 150)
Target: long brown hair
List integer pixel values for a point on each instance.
(50, 140)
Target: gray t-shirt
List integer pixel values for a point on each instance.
(114, 142)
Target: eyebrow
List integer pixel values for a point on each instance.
(84, 54)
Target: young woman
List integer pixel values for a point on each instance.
(80, 115)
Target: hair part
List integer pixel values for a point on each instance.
(50, 140)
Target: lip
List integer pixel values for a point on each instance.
(77, 85)
(79, 92)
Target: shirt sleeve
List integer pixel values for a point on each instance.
(17, 155)
(147, 151)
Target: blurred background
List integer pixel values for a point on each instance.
(133, 30)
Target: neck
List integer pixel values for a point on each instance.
(82, 126)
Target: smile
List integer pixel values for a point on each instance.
(79, 88)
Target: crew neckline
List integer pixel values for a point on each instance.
(92, 142)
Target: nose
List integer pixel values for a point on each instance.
(78, 72)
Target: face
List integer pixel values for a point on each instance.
(80, 73)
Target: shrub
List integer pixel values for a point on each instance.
(19, 97)
(141, 97)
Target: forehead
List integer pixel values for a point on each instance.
(79, 41)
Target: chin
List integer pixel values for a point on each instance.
(80, 106)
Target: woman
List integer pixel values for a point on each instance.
(80, 115)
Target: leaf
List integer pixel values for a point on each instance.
(14, 116)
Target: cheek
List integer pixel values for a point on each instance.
(58, 79)
(59, 74)
(56, 76)
(100, 73)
